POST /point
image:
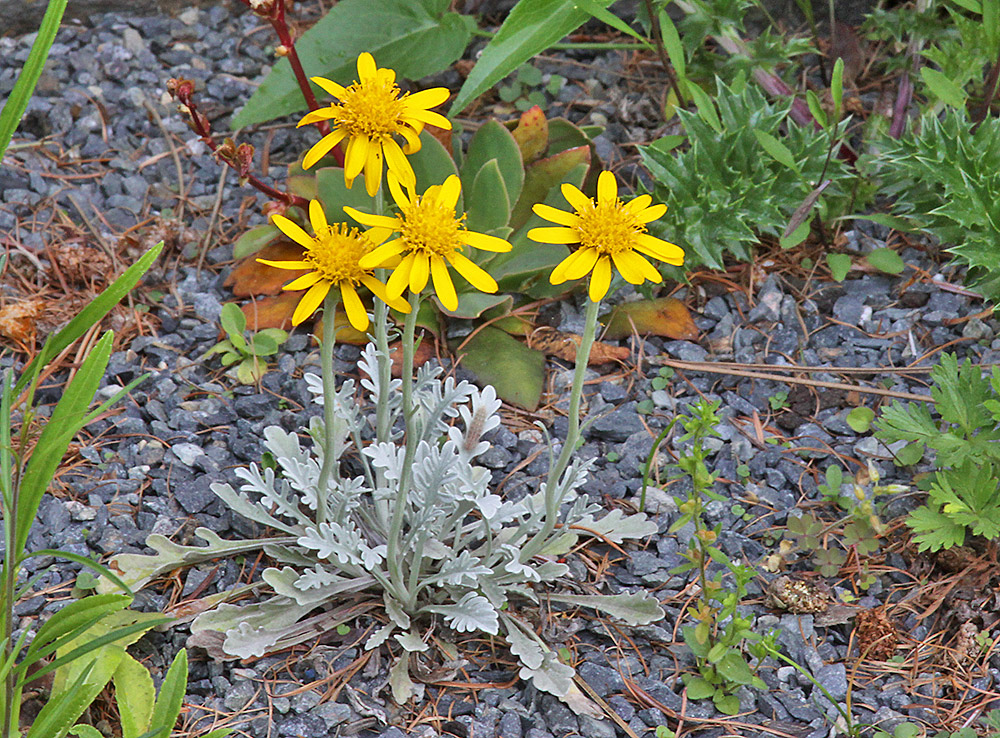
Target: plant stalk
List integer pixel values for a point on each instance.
(553, 499)
(654, 20)
(330, 452)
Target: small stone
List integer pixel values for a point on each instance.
(80, 512)
(833, 677)
(850, 309)
(187, 453)
(195, 495)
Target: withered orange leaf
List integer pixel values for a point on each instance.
(18, 320)
(662, 317)
(532, 134)
(253, 278)
(564, 345)
(271, 311)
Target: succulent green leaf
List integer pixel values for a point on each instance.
(432, 164)
(135, 695)
(414, 37)
(516, 371)
(254, 240)
(493, 142)
(487, 204)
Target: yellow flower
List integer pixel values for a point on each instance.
(333, 255)
(607, 232)
(369, 113)
(430, 238)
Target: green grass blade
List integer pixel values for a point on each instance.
(96, 310)
(14, 108)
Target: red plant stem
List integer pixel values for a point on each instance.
(201, 126)
(277, 20)
(903, 98)
(989, 94)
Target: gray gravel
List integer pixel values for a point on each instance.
(101, 99)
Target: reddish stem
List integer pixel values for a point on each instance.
(183, 89)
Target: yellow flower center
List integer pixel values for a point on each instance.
(427, 226)
(336, 252)
(608, 227)
(373, 109)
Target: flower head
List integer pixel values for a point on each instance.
(430, 237)
(369, 114)
(607, 232)
(333, 255)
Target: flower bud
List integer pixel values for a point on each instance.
(281, 50)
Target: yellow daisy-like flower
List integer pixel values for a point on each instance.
(333, 255)
(430, 238)
(369, 114)
(606, 232)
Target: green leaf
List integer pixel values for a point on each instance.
(727, 704)
(796, 237)
(76, 616)
(886, 260)
(860, 418)
(530, 28)
(171, 697)
(672, 43)
(706, 108)
(972, 5)
(837, 87)
(64, 707)
(840, 265)
(733, 667)
(910, 454)
(334, 195)
(416, 38)
(135, 696)
(263, 344)
(493, 142)
(635, 609)
(90, 315)
(516, 371)
(816, 108)
(254, 240)
(699, 689)
(85, 731)
(487, 204)
(889, 221)
(432, 164)
(14, 107)
(233, 321)
(943, 88)
(777, 150)
(67, 418)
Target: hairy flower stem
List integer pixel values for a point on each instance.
(553, 498)
(402, 492)
(330, 452)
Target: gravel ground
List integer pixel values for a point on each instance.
(100, 112)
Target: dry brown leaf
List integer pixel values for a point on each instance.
(18, 320)
(80, 264)
(256, 279)
(564, 345)
(876, 635)
(272, 311)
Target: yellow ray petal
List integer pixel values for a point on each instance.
(579, 201)
(430, 118)
(419, 271)
(584, 262)
(475, 274)
(400, 277)
(634, 268)
(451, 188)
(558, 275)
(317, 218)
(366, 67)
(310, 301)
(636, 204)
(386, 76)
(485, 241)
(378, 234)
(443, 286)
(293, 231)
(554, 235)
(303, 282)
(654, 212)
(378, 289)
(369, 219)
(600, 280)
(287, 264)
(355, 309)
(555, 215)
(355, 157)
(322, 147)
(373, 169)
(428, 98)
(607, 187)
(329, 86)
(659, 249)
(398, 164)
(401, 198)
(317, 115)
(412, 140)
(378, 257)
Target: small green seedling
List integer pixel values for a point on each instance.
(778, 401)
(525, 89)
(249, 353)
